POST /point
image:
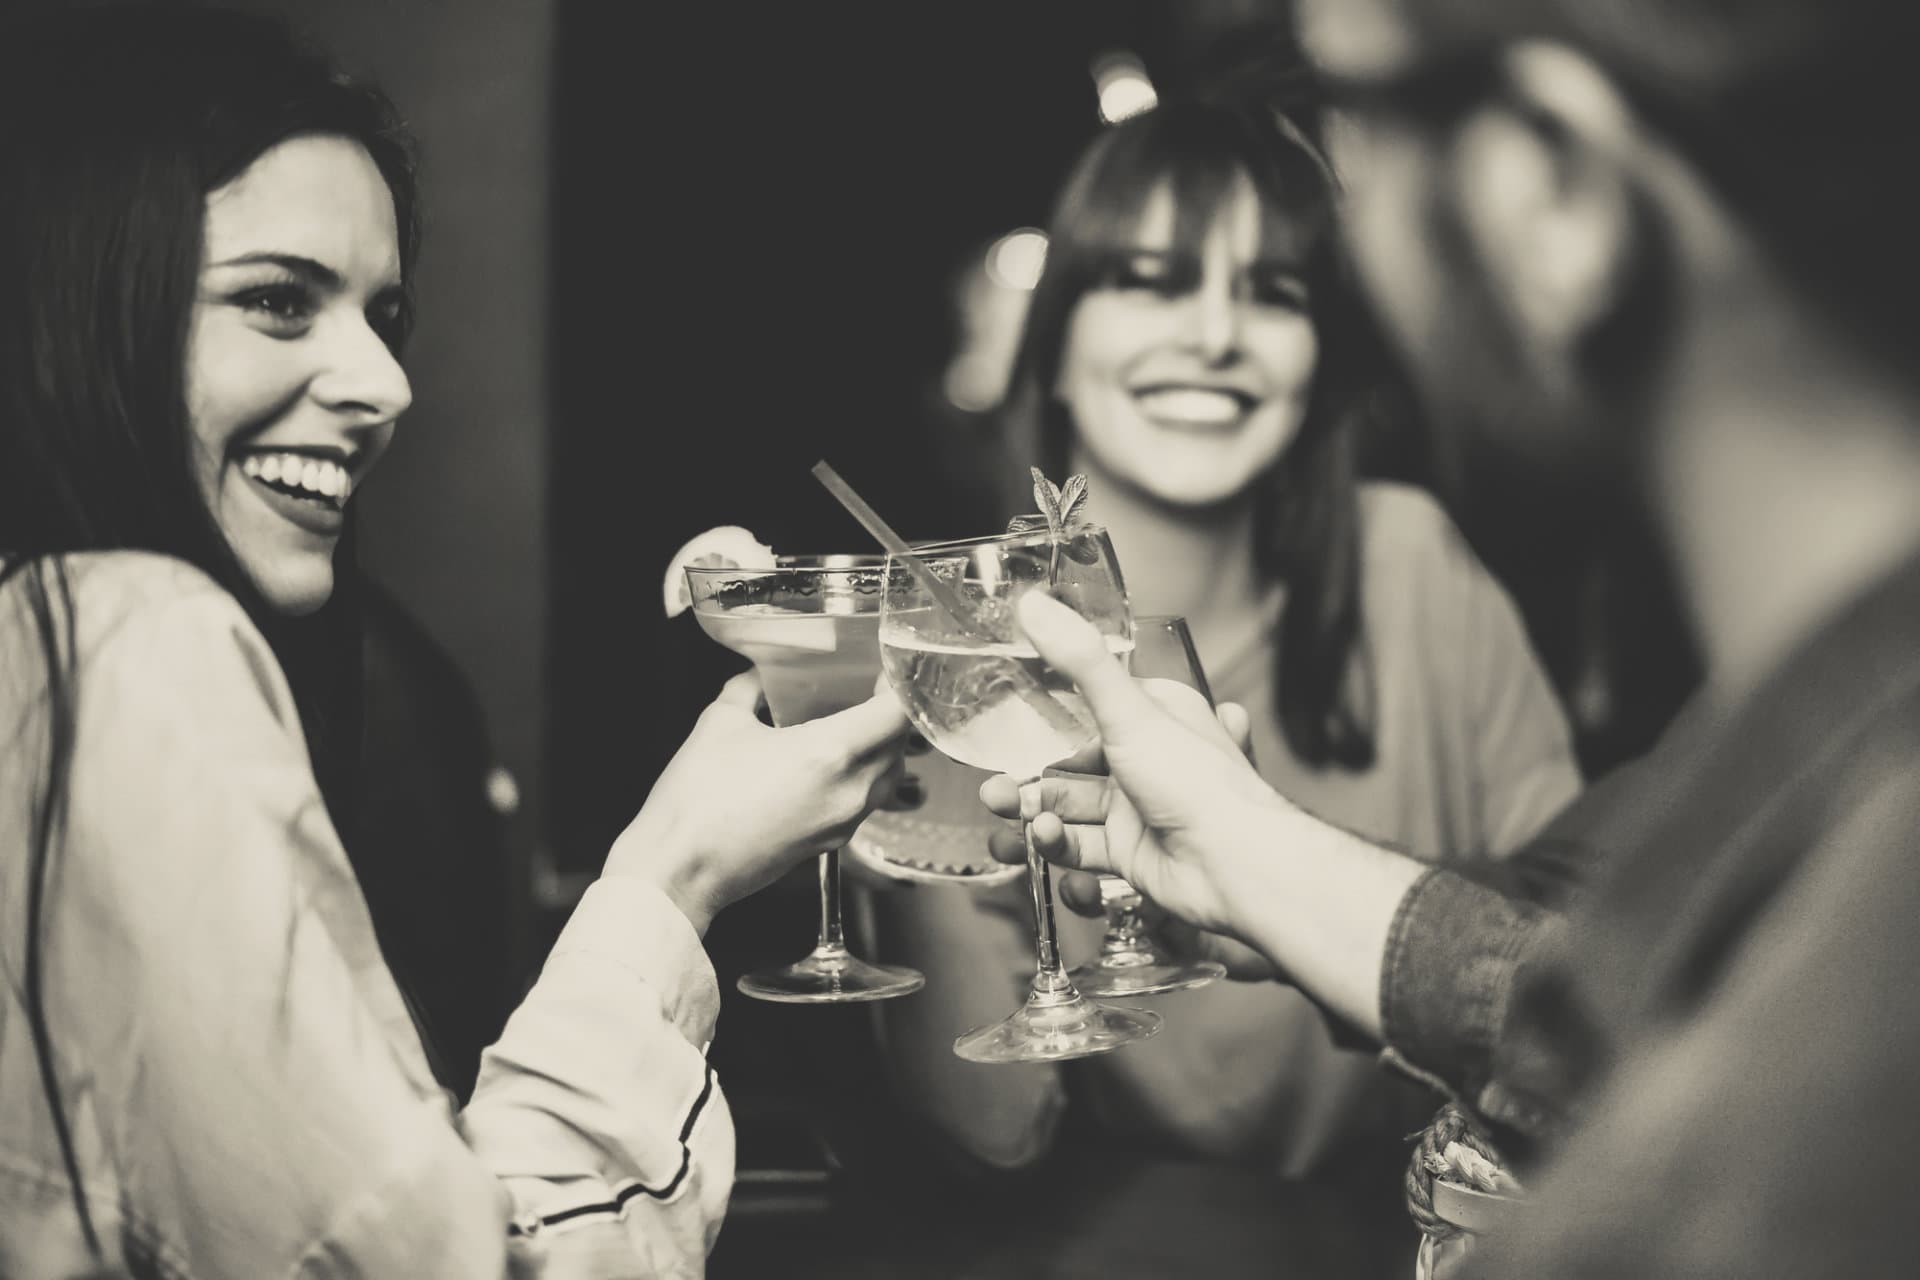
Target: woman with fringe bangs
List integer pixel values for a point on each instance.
(1193, 349)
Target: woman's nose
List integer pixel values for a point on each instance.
(362, 375)
(1214, 317)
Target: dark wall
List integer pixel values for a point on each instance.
(757, 208)
(455, 519)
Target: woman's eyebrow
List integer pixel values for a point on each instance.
(1279, 264)
(316, 273)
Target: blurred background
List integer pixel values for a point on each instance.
(677, 252)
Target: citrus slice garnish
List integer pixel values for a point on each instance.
(727, 547)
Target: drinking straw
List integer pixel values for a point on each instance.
(945, 596)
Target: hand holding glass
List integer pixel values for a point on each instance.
(1131, 963)
(810, 626)
(979, 693)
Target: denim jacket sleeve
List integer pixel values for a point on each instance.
(249, 1094)
(1452, 952)
(1464, 933)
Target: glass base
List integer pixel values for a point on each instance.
(1076, 1028)
(1142, 975)
(832, 976)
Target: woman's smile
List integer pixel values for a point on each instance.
(1208, 409)
(309, 487)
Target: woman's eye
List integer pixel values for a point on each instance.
(1278, 289)
(1149, 271)
(388, 320)
(286, 307)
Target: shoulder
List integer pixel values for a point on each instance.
(1396, 506)
(110, 591)
(150, 617)
(1411, 550)
(1400, 521)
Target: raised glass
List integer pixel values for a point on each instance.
(979, 693)
(810, 626)
(1131, 963)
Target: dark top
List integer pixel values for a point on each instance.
(1726, 1027)
(1464, 930)
(430, 849)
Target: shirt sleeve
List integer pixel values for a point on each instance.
(271, 1102)
(1463, 937)
(1447, 977)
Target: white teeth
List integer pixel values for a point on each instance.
(321, 476)
(1192, 404)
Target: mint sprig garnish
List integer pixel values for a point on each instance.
(1059, 513)
(1059, 506)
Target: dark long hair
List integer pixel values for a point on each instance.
(115, 125)
(1306, 507)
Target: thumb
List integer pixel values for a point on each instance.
(867, 725)
(1071, 646)
(742, 691)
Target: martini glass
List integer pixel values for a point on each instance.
(810, 626)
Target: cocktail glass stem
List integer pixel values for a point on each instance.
(1125, 941)
(830, 974)
(833, 940)
(1056, 1021)
(1131, 963)
(1051, 986)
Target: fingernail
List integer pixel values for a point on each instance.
(1030, 806)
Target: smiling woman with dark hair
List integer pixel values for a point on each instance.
(206, 1066)
(1193, 347)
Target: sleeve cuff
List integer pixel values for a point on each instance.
(1447, 976)
(625, 921)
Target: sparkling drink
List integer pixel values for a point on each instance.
(958, 660)
(965, 698)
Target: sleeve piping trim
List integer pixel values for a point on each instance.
(629, 1190)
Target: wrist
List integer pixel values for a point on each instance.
(1263, 892)
(1320, 905)
(662, 857)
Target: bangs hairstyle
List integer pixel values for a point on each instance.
(116, 123)
(1306, 507)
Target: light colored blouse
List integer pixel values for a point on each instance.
(1472, 756)
(246, 1092)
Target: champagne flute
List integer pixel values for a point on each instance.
(1131, 962)
(978, 692)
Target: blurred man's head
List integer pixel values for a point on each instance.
(1556, 204)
